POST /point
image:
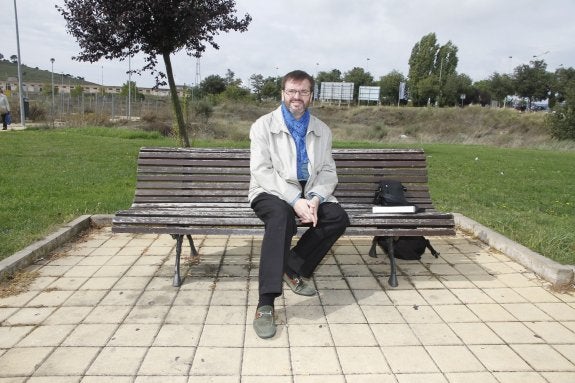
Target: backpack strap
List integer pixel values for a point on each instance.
(433, 251)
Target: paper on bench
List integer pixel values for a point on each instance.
(393, 209)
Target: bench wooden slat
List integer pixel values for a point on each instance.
(245, 212)
(222, 230)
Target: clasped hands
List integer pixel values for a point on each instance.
(306, 210)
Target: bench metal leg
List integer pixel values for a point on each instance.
(393, 276)
(177, 281)
(373, 250)
(192, 247)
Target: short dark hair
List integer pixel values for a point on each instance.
(298, 75)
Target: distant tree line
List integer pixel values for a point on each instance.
(433, 79)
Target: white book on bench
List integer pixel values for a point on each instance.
(393, 209)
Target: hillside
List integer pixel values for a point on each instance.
(33, 75)
(403, 125)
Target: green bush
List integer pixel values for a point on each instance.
(562, 124)
(203, 109)
(37, 113)
(379, 131)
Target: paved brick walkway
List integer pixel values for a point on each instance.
(102, 309)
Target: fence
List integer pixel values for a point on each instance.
(39, 107)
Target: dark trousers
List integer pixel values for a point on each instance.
(280, 227)
(4, 125)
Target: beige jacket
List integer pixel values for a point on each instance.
(273, 160)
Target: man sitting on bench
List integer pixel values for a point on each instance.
(293, 175)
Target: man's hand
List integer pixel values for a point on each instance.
(306, 210)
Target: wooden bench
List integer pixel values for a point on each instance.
(189, 191)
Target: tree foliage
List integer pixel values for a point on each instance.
(129, 88)
(500, 86)
(562, 120)
(430, 68)
(231, 79)
(359, 77)
(421, 65)
(533, 81)
(332, 76)
(265, 88)
(256, 85)
(213, 85)
(389, 87)
(565, 85)
(562, 123)
(114, 29)
(77, 91)
(456, 87)
(482, 93)
(445, 70)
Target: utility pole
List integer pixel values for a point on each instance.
(52, 61)
(198, 74)
(21, 88)
(130, 88)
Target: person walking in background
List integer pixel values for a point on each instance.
(4, 109)
(293, 176)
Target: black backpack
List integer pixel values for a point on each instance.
(390, 193)
(408, 248)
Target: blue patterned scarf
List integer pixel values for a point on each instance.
(298, 130)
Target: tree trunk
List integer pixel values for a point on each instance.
(176, 101)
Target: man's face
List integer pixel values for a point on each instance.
(294, 100)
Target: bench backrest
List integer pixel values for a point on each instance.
(190, 175)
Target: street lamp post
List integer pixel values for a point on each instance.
(130, 88)
(61, 96)
(440, 83)
(102, 89)
(21, 88)
(52, 61)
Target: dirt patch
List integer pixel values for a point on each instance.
(17, 283)
(566, 289)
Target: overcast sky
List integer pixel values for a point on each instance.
(321, 35)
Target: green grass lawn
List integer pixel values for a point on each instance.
(49, 177)
(527, 195)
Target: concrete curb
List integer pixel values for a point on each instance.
(553, 272)
(102, 220)
(43, 247)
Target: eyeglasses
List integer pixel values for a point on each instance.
(293, 92)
